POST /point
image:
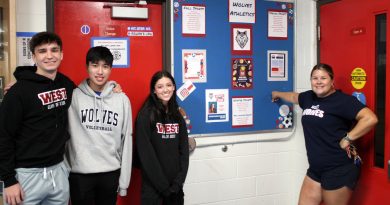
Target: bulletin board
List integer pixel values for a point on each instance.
(229, 55)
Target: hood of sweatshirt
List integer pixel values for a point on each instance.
(29, 73)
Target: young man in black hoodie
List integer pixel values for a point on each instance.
(33, 128)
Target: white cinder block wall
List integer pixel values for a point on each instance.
(267, 172)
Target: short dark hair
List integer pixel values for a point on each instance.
(97, 53)
(43, 38)
(322, 66)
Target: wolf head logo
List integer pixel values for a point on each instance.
(241, 38)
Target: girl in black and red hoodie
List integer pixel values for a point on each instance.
(162, 144)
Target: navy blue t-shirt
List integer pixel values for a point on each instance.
(325, 122)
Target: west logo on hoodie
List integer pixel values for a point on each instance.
(167, 130)
(53, 98)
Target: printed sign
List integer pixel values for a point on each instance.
(119, 47)
(358, 78)
(277, 64)
(242, 11)
(194, 20)
(140, 31)
(23, 48)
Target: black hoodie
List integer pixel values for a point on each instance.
(163, 152)
(33, 122)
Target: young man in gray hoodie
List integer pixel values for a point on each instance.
(100, 126)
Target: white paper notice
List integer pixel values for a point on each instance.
(242, 111)
(119, 47)
(242, 11)
(277, 24)
(23, 48)
(194, 20)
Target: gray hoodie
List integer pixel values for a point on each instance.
(100, 128)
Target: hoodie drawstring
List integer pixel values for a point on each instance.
(52, 176)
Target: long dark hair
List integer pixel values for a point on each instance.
(153, 104)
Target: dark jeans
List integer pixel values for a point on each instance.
(94, 189)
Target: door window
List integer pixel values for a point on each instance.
(380, 64)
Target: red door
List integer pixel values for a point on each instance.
(353, 39)
(79, 21)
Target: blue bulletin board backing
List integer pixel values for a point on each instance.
(217, 44)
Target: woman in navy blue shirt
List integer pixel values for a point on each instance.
(331, 121)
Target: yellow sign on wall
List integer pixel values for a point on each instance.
(358, 78)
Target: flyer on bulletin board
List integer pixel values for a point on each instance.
(185, 90)
(277, 24)
(242, 111)
(242, 11)
(217, 105)
(242, 73)
(194, 20)
(194, 65)
(277, 65)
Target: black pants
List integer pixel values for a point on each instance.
(149, 196)
(94, 189)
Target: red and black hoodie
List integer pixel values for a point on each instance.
(33, 122)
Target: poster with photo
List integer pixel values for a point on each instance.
(217, 105)
(194, 65)
(241, 35)
(242, 73)
(242, 111)
(277, 65)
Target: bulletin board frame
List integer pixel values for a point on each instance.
(266, 115)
